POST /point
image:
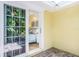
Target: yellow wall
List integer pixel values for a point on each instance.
(62, 29)
(66, 29)
(47, 29)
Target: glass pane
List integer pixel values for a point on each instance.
(16, 21)
(8, 10)
(22, 50)
(22, 22)
(16, 31)
(16, 39)
(15, 52)
(9, 54)
(9, 31)
(22, 31)
(8, 40)
(22, 40)
(15, 11)
(22, 13)
(10, 21)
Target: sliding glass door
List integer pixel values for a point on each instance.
(14, 39)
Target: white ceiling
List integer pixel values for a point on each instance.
(58, 3)
(50, 5)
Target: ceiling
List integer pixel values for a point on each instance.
(50, 5)
(58, 3)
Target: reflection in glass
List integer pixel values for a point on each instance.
(33, 30)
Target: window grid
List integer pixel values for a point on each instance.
(12, 38)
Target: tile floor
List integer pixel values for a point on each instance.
(33, 46)
(53, 52)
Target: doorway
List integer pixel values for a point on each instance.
(34, 30)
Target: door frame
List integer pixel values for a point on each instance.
(41, 42)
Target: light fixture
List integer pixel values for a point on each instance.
(57, 3)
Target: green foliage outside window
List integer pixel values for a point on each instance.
(14, 29)
(15, 18)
